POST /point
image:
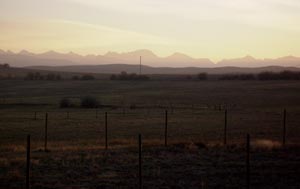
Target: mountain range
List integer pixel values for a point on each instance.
(180, 60)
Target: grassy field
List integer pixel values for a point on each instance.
(195, 157)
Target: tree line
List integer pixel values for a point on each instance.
(55, 76)
(4, 66)
(39, 76)
(125, 76)
(83, 77)
(263, 76)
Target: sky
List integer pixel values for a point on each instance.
(218, 29)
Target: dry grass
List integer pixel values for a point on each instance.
(181, 165)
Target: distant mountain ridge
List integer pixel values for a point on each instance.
(249, 61)
(51, 58)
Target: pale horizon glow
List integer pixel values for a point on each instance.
(219, 29)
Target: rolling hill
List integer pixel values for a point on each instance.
(117, 68)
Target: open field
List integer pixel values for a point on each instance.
(195, 157)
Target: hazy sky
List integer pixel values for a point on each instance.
(213, 29)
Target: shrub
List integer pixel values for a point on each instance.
(124, 76)
(188, 77)
(89, 102)
(133, 106)
(113, 77)
(34, 76)
(7, 76)
(284, 75)
(57, 77)
(39, 76)
(237, 77)
(29, 76)
(289, 75)
(4, 66)
(75, 77)
(87, 77)
(52, 76)
(202, 76)
(267, 76)
(65, 103)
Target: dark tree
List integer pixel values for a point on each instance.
(202, 76)
(89, 102)
(75, 77)
(87, 77)
(65, 103)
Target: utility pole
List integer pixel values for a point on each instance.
(140, 65)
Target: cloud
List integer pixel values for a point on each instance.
(110, 34)
(65, 34)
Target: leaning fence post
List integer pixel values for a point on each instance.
(225, 128)
(140, 161)
(46, 131)
(166, 128)
(106, 143)
(28, 162)
(248, 160)
(284, 128)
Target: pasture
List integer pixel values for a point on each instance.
(195, 156)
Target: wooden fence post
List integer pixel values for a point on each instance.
(225, 129)
(28, 162)
(34, 115)
(140, 161)
(46, 131)
(248, 160)
(284, 128)
(106, 143)
(166, 128)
